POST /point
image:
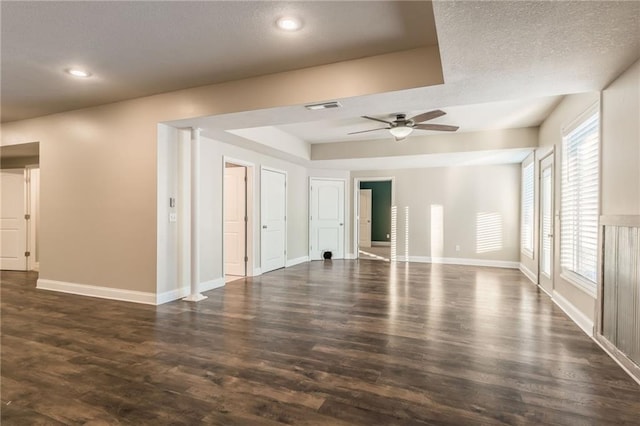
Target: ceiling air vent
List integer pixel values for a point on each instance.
(326, 105)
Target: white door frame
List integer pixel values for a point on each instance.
(356, 204)
(286, 211)
(549, 155)
(251, 202)
(344, 233)
(32, 202)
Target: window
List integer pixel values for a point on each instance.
(526, 220)
(579, 200)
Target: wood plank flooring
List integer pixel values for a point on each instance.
(322, 343)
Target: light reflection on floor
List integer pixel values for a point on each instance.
(375, 253)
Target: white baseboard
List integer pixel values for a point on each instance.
(97, 291)
(545, 291)
(257, 272)
(527, 273)
(350, 256)
(124, 295)
(212, 284)
(582, 321)
(179, 293)
(381, 243)
(296, 261)
(171, 295)
(460, 261)
(630, 367)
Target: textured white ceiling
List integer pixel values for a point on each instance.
(504, 65)
(138, 48)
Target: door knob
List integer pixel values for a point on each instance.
(264, 226)
(341, 224)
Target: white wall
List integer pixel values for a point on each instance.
(473, 199)
(173, 150)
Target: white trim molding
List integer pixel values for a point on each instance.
(581, 320)
(212, 284)
(179, 293)
(171, 295)
(527, 273)
(296, 261)
(460, 261)
(124, 295)
(97, 291)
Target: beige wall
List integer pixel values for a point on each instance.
(621, 150)
(620, 164)
(439, 143)
(551, 138)
(472, 198)
(99, 165)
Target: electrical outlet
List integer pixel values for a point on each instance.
(173, 217)
(387, 235)
(457, 248)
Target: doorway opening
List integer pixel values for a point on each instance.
(375, 237)
(237, 233)
(20, 207)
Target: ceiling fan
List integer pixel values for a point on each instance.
(402, 126)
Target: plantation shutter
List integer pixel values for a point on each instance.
(579, 199)
(526, 228)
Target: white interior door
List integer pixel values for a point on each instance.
(235, 220)
(546, 223)
(273, 211)
(364, 226)
(326, 218)
(13, 225)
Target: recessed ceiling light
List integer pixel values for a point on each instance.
(289, 23)
(77, 72)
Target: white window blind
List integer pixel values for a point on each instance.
(579, 200)
(526, 209)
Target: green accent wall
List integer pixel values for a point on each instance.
(380, 209)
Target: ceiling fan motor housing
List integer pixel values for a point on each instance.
(401, 120)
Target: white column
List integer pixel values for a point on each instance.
(195, 295)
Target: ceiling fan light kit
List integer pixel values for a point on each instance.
(401, 127)
(401, 132)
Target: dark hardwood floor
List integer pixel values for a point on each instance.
(342, 342)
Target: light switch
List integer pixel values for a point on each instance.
(173, 217)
